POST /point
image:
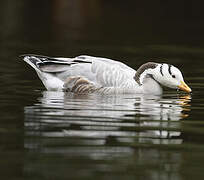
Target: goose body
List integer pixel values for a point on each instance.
(88, 74)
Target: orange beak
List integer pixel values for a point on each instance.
(184, 87)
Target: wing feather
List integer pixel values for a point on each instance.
(101, 71)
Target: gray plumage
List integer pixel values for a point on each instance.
(87, 74)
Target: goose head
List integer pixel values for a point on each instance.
(164, 74)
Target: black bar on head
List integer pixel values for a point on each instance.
(169, 69)
(161, 68)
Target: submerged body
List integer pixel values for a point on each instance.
(87, 74)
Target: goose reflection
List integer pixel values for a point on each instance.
(151, 119)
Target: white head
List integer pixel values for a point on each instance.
(166, 74)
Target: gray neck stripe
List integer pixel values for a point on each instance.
(149, 65)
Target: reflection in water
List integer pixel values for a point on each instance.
(106, 128)
(149, 118)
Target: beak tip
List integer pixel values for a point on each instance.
(185, 87)
(189, 91)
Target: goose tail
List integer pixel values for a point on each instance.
(50, 80)
(32, 60)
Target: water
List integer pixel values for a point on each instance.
(125, 136)
(108, 132)
(56, 135)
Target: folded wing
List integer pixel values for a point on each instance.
(101, 72)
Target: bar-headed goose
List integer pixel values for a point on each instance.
(87, 74)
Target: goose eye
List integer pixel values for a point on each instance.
(173, 76)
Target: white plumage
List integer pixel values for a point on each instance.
(87, 74)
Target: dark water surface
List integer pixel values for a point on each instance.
(55, 135)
